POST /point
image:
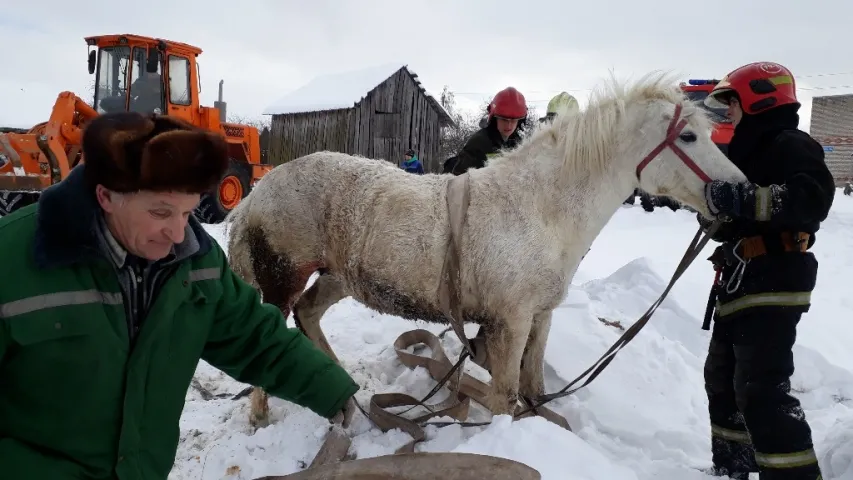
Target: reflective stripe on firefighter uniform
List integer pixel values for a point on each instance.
(739, 436)
(765, 299)
(752, 278)
(767, 460)
(786, 460)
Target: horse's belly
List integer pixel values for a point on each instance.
(409, 303)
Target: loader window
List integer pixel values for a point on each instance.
(146, 89)
(179, 80)
(111, 83)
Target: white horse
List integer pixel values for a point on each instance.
(379, 234)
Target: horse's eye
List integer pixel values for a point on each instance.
(688, 137)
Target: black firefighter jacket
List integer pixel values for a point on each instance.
(485, 143)
(793, 191)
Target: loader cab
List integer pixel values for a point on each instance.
(130, 77)
(124, 83)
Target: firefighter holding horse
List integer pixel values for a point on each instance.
(765, 277)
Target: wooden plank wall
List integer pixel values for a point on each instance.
(418, 126)
(264, 140)
(832, 116)
(392, 118)
(292, 136)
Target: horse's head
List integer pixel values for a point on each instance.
(667, 141)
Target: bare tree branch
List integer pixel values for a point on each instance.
(259, 123)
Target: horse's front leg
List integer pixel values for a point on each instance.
(505, 345)
(532, 381)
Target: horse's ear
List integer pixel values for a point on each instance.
(669, 110)
(666, 110)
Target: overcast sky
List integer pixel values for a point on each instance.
(263, 49)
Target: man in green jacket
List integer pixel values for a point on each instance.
(112, 291)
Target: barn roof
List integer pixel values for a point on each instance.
(343, 90)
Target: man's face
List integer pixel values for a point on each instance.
(734, 112)
(147, 224)
(506, 126)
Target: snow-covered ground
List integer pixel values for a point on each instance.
(644, 418)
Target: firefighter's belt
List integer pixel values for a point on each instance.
(755, 246)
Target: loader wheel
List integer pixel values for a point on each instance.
(232, 189)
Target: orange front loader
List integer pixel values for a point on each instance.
(138, 74)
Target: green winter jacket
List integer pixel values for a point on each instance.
(76, 402)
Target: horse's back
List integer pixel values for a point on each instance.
(334, 204)
(333, 174)
(288, 204)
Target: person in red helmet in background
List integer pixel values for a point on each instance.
(505, 114)
(766, 278)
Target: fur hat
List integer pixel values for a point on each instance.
(128, 152)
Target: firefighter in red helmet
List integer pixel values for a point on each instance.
(506, 113)
(767, 274)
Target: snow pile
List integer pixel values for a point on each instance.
(644, 418)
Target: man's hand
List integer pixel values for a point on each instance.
(344, 417)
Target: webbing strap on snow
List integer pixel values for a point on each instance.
(419, 466)
(333, 452)
(449, 294)
(693, 250)
(464, 388)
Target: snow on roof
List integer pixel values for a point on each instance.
(339, 90)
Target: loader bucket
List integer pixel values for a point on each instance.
(419, 466)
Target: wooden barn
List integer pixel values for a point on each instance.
(379, 112)
(832, 126)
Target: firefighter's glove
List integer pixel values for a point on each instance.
(724, 198)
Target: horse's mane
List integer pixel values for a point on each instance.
(587, 138)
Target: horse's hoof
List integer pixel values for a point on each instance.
(501, 404)
(259, 421)
(532, 392)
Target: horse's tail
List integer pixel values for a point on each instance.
(239, 251)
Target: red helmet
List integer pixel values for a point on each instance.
(508, 103)
(759, 85)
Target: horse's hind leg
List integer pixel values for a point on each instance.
(532, 379)
(259, 408)
(280, 281)
(311, 306)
